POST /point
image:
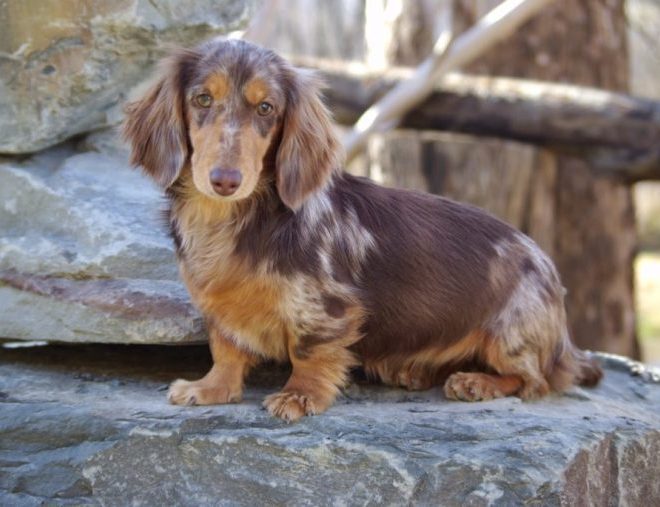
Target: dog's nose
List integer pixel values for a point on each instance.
(225, 181)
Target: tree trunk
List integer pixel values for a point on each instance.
(581, 42)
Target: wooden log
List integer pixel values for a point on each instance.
(616, 133)
(448, 54)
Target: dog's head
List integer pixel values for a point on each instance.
(225, 109)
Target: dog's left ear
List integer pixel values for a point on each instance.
(309, 152)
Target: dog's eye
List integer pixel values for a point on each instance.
(203, 100)
(264, 108)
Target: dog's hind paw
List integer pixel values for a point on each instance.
(472, 387)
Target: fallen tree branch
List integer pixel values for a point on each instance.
(618, 133)
(446, 56)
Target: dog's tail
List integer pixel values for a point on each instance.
(590, 372)
(573, 366)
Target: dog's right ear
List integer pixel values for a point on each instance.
(155, 125)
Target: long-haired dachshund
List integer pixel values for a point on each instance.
(290, 258)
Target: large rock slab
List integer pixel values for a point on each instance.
(84, 255)
(91, 426)
(66, 66)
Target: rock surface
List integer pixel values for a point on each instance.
(84, 255)
(66, 66)
(90, 425)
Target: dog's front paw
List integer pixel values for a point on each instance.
(290, 405)
(184, 392)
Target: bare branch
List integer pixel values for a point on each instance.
(493, 27)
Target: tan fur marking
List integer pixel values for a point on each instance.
(255, 91)
(218, 85)
(526, 365)
(246, 307)
(250, 307)
(197, 211)
(219, 145)
(244, 303)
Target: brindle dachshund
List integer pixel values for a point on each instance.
(290, 258)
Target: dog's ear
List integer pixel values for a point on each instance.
(155, 125)
(309, 151)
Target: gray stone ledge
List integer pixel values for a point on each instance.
(90, 425)
(84, 255)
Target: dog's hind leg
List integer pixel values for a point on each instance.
(519, 359)
(399, 371)
(512, 374)
(521, 346)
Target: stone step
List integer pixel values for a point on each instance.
(90, 425)
(84, 255)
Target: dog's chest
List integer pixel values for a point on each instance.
(260, 309)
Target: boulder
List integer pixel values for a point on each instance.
(65, 67)
(91, 426)
(84, 255)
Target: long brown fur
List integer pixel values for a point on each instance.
(307, 264)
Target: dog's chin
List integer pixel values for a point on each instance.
(240, 195)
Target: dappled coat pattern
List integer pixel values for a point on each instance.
(289, 258)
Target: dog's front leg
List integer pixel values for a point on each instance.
(320, 369)
(223, 383)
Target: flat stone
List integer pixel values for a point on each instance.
(91, 425)
(99, 311)
(84, 255)
(66, 67)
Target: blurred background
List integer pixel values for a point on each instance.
(83, 259)
(603, 234)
